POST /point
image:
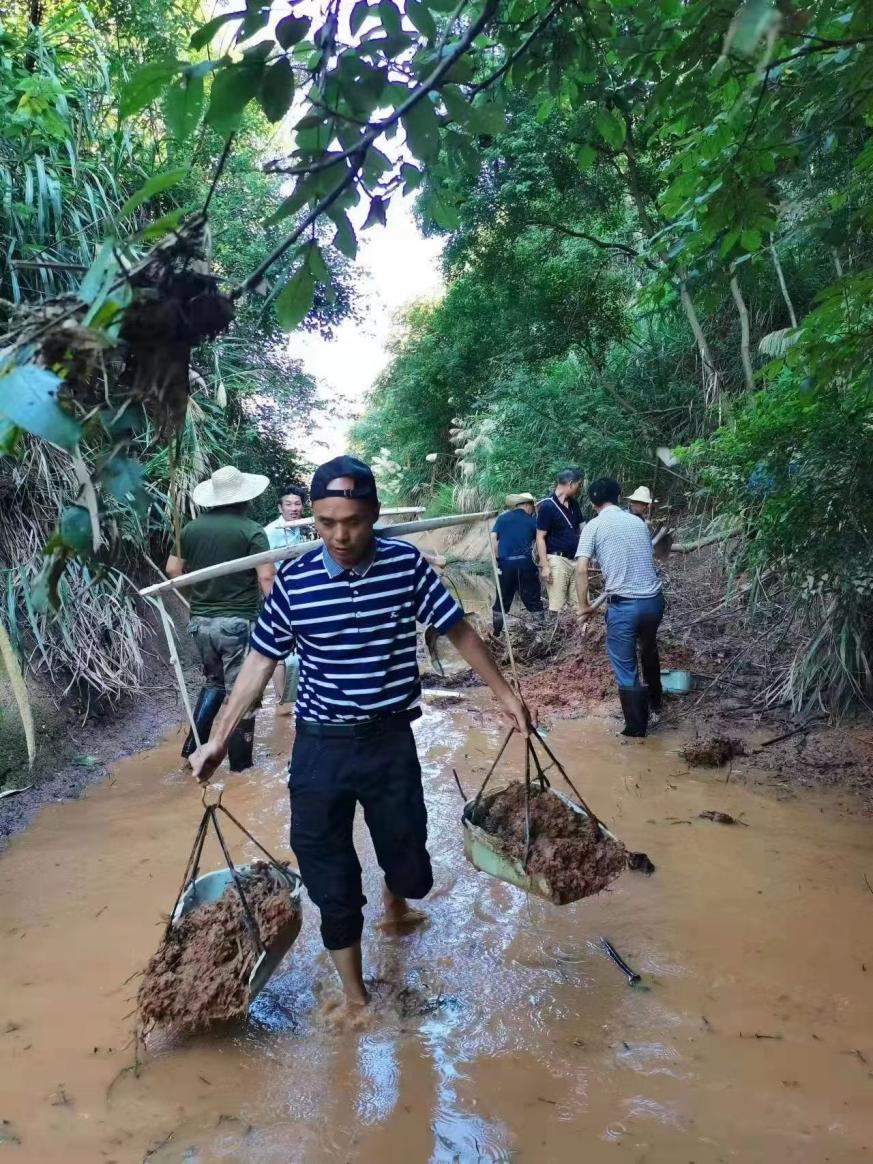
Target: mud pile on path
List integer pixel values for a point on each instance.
(713, 752)
(200, 972)
(566, 847)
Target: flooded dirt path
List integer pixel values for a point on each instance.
(513, 1037)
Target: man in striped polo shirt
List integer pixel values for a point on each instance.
(350, 609)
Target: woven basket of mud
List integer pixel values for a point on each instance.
(538, 839)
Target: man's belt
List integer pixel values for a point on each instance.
(358, 731)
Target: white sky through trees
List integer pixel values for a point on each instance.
(395, 267)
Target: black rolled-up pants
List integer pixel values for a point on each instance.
(328, 778)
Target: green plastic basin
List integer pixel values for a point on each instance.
(485, 853)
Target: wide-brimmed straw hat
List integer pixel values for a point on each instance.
(643, 494)
(514, 499)
(228, 486)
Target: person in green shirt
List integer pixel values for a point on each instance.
(223, 610)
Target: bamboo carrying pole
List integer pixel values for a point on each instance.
(286, 552)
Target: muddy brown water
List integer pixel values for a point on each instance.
(752, 1040)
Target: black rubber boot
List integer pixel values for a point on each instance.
(497, 621)
(651, 669)
(241, 745)
(635, 707)
(209, 701)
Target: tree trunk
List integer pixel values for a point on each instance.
(744, 333)
(780, 274)
(711, 378)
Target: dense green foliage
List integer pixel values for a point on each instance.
(657, 212)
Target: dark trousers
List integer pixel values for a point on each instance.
(632, 623)
(517, 576)
(328, 778)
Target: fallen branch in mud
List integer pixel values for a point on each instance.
(708, 540)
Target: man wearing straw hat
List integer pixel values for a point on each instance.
(350, 608)
(223, 610)
(512, 537)
(640, 502)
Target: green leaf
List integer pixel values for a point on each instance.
(443, 212)
(206, 32)
(411, 176)
(585, 158)
(611, 128)
(441, 5)
(28, 398)
(751, 240)
(183, 105)
(160, 227)
(277, 90)
(122, 477)
(256, 19)
(204, 67)
(291, 30)
(9, 434)
(316, 264)
(295, 299)
(155, 185)
(389, 17)
(146, 84)
(358, 16)
(232, 90)
(457, 105)
(422, 130)
(376, 213)
(421, 18)
(344, 240)
(489, 118)
(74, 529)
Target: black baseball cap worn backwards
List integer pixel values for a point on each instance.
(362, 475)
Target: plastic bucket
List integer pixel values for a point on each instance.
(487, 854)
(210, 887)
(677, 682)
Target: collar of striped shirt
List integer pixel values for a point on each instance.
(354, 633)
(334, 569)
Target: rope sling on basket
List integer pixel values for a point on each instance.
(213, 963)
(531, 835)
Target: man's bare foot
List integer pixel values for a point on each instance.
(346, 1014)
(399, 917)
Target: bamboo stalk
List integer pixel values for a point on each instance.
(286, 552)
(177, 667)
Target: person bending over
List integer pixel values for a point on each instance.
(512, 537)
(622, 545)
(350, 608)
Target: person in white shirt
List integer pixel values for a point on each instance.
(622, 545)
(281, 533)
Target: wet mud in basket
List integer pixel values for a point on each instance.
(200, 972)
(566, 848)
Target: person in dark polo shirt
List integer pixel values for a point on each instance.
(350, 608)
(559, 520)
(223, 610)
(512, 536)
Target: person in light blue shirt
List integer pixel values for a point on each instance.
(281, 533)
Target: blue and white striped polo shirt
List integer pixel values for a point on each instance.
(354, 630)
